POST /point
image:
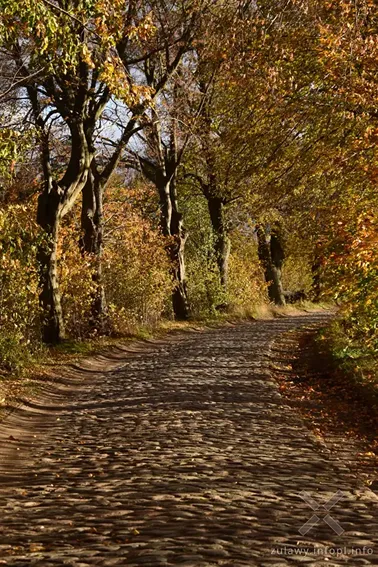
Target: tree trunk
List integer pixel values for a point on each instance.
(177, 253)
(316, 273)
(315, 286)
(172, 228)
(91, 243)
(165, 204)
(163, 176)
(49, 217)
(270, 255)
(56, 200)
(222, 244)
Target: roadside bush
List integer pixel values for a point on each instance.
(75, 279)
(351, 271)
(246, 281)
(204, 289)
(296, 270)
(19, 309)
(136, 269)
(246, 287)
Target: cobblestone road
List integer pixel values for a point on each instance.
(178, 452)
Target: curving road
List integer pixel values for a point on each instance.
(178, 452)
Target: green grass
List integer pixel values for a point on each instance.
(72, 347)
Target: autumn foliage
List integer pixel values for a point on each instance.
(19, 310)
(184, 162)
(351, 271)
(137, 279)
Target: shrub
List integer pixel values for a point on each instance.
(19, 308)
(246, 286)
(351, 272)
(75, 278)
(246, 281)
(136, 267)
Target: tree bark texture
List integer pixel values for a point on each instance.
(222, 243)
(91, 243)
(54, 202)
(49, 217)
(271, 256)
(173, 229)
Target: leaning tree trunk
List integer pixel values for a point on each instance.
(57, 200)
(271, 266)
(49, 214)
(91, 243)
(222, 244)
(49, 217)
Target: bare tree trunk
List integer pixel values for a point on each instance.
(91, 242)
(210, 189)
(177, 254)
(171, 224)
(222, 244)
(58, 197)
(316, 273)
(172, 227)
(315, 286)
(271, 261)
(49, 217)
(55, 201)
(165, 207)
(180, 294)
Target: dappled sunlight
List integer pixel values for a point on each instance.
(178, 451)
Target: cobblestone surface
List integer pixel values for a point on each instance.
(178, 452)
